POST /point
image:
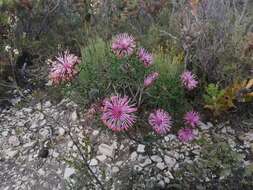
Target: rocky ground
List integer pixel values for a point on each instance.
(38, 144)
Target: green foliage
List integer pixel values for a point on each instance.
(168, 92)
(218, 162)
(213, 94)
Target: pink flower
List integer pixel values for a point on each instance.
(160, 121)
(63, 68)
(117, 114)
(150, 79)
(123, 45)
(189, 80)
(145, 57)
(192, 118)
(186, 135)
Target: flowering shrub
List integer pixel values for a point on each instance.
(125, 69)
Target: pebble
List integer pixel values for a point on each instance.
(68, 172)
(161, 166)
(101, 158)
(74, 116)
(133, 156)
(156, 158)
(106, 150)
(115, 169)
(93, 162)
(141, 148)
(14, 141)
(11, 153)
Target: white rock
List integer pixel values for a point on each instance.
(170, 161)
(44, 133)
(61, 131)
(95, 133)
(101, 158)
(93, 162)
(170, 137)
(115, 169)
(14, 141)
(68, 172)
(74, 116)
(206, 126)
(5, 133)
(106, 150)
(119, 163)
(28, 110)
(34, 124)
(133, 156)
(161, 165)
(156, 158)
(11, 153)
(55, 154)
(47, 104)
(70, 144)
(43, 123)
(41, 172)
(30, 144)
(38, 106)
(141, 148)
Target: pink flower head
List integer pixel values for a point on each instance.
(117, 114)
(63, 68)
(192, 118)
(189, 80)
(150, 79)
(186, 135)
(123, 45)
(160, 121)
(145, 57)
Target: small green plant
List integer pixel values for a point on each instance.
(212, 97)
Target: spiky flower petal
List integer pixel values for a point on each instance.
(63, 69)
(160, 121)
(117, 114)
(189, 80)
(150, 79)
(186, 135)
(145, 57)
(123, 45)
(192, 118)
